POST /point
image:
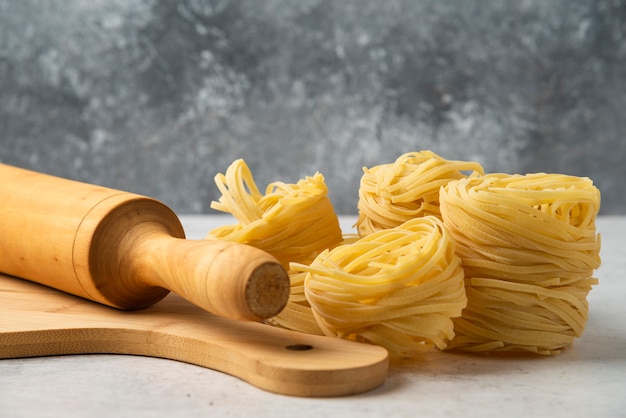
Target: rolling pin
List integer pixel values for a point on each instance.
(126, 250)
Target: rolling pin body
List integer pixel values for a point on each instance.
(126, 250)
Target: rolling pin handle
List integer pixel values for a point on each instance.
(226, 278)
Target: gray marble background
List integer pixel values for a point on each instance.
(156, 97)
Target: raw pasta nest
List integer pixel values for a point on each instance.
(293, 222)
(391, 194)
(398, 288)
(476, 262)
(528, 245)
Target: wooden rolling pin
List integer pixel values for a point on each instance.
(125, 250)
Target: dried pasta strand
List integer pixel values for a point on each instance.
(293, 222)
(391, 194)
(529, 247)
(298, 314)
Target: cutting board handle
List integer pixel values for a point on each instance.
(39, 321)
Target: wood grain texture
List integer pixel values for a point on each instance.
(36, 320)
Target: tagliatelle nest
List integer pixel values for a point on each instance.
(391, 194)
(398, 288)
(293, 222)
(529, 247)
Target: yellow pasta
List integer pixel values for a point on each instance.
(293, 222)
(297, 314)
(398, 288)
(391, 194)
(529, 247)
(478, 263)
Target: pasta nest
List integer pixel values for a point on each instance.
(391, 194)
(398, 288)
(529, 246)
(292, 222)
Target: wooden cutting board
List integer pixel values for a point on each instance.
(36, 320)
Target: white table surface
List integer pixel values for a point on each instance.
(586, 380)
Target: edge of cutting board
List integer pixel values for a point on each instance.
(36, 320)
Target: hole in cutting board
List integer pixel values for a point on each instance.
(299, 347)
